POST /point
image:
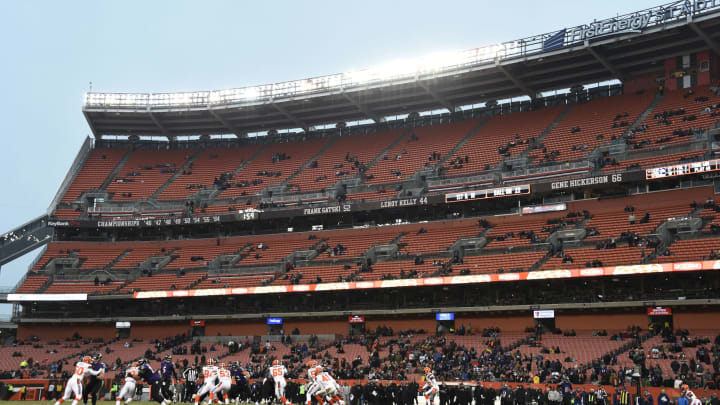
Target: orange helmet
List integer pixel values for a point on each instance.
(86, 359)
(684, 387)
(210, 361)
(427, 370)
(222, 365)
(135, 364)
(276, 362)
(311, 364)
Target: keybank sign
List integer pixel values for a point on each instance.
(638, 21)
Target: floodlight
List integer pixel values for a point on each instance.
(251, 93)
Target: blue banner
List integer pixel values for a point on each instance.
(555, 41)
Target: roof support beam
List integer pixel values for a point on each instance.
(517, 82)
(437, 97)
(159, 124)
(363, 109)
(705, 37)
(603, 61)
(91, 125)
(230, 127)
(300, 123)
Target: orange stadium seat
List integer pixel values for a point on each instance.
(271, 171)
(414, 153)
(32, 284)
(653, 161)
(676, 100)
(146, 171)
(98, 166)
(595, 120)
(338, 160)
(482, 148)
(207, 167)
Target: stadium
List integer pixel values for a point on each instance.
(530, 222)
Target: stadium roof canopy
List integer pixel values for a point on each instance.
(621, 47)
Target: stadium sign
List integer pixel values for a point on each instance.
(683, 169)
(118, 224)
(333, 209)
(659, 311)
(637, 22)
(407, 202)
(508, 191)
(631, 270)
(445, 316)
(46, 297)
(633, 23)
(544, 314)
(587, 181)
(145, 223)
(537, 209)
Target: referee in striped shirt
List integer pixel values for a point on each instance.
(191, 376)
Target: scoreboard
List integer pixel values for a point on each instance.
(681, 169)
(488, 193)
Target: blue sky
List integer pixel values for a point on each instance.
(52, 50)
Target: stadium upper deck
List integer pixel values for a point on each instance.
(622, 47)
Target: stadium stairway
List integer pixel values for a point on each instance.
(235, 172)
(25, 238)
(116, 170)
(177, 173)
(45, 285)
(390, 147)
(549, 129)
(538, 264)
(115, 290)
(657, 100)
(197, 282)
(251, 159)
(121, 256)
(309, 161)
(462, 143)
(638, 121)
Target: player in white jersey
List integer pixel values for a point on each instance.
(312, 387)
(430, 389)
(277, 372)
(74, 384)
(210, 373)
(128, 389)
(692, 399)
(224, 383)
(329, 387)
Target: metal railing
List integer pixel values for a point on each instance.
(533, 171)
(432, 66)
(449, 181)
